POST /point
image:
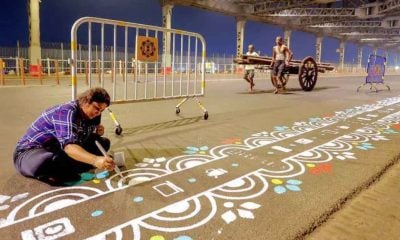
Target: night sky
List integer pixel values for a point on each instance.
(57, 17)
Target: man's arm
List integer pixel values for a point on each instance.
(289, 55)
(273, 57)
(76, 152)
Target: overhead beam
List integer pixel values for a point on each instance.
(318, 12)
(272, 6)
(355, 24)
(305, 21)
(367, 31)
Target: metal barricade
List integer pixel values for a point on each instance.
(139, 74)
(376, 72)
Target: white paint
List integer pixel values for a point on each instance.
(228, 204)
(363, 119)
(11, 217)
(340, 157)
(178, 207)
(148, 160)
(306, 154)
(215, 173)
(194, 163)
(264, 142)
(229, 217)
(245, 214)
(161, 159)
(141, 165)
(138, 180)
(49, 231)
(3, 221)
(4, 207)
(250, 205)
(19, 197)
(344, 127)
(372, 115)
(4, 198)
(59, 204)
(330, 132)
(167, 189)
(282, 149)
(304, 141)
(236, 183)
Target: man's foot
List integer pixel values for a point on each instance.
(276, 91)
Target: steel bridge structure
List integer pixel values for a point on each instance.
(374, 23)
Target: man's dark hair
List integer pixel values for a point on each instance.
(98, 95)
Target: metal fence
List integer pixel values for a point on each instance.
(138, 74)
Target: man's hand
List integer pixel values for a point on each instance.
(100, 130)
(104, 163)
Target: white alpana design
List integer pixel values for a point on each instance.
(241, 192)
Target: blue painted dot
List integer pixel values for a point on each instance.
(279, 189)
(87, 176)
(195, 149)
(293, 188)
(138, 199)
(192, 180)
(183, 238)
(97, 213)
(204, 148)
(235, 164)
(102, 175)
(294, 182)
(190, 152)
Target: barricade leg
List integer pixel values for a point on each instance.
(118, 128)
(40, 71)
(178, 109)
(22, 71)
(202, 108)
(57, 72)
(86, 73)
(1, 72)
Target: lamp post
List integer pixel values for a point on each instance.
(35, 54)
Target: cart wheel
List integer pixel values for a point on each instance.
(177, 110)
(118, 130)
(308, 73)
(206, 115)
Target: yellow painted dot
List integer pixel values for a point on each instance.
(310, 165)
(158, 237)
(202, 152)
(96, 181)
(276, 181)
(238, 142)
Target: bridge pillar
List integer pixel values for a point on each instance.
(166, 23)
(318, 49)
(240, 25)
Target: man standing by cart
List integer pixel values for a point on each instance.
(281, 56)
(249, 69)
